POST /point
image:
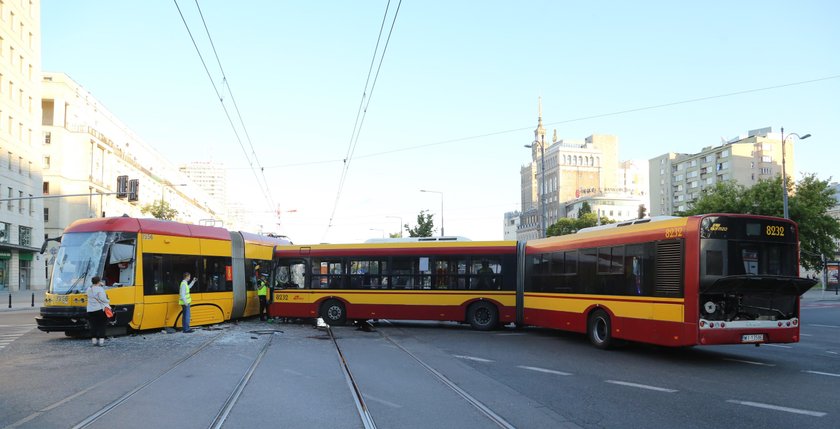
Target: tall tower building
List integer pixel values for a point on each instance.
(21, 224)
(209, 176)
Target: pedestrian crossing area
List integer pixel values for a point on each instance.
(9, 333)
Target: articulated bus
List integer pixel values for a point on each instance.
(462, 281)
(708, 279)
(142, 262)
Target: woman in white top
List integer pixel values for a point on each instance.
(97, 300)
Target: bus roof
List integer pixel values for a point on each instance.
(403, 247)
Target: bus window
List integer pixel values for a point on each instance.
(328, 273)
(401, 273)
(366, 274)
(488, 274)
(290, 274)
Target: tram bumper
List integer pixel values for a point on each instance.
(75, 319)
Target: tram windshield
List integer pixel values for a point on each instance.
(83, 255)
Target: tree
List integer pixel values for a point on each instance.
(642, 211)
(808, 208)
(565, 226)
(394, 235)
(159, 209)
(425, 225)
(584, 209)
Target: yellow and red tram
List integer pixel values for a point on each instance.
(142, 262)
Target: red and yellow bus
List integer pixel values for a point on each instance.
(708, 279)
(463, 281)
(142, 262)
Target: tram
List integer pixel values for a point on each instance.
(142, 262)
(671, 281)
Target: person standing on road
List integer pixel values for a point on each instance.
(97, 300)
(185, 301)
(262, 292)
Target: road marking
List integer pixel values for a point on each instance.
(805, 335)
(513, 334)
(778, 408)
(824, 326)
(642, 386)
(382, 401)
(781, 346)
(823, 373)
(831, 352)
(547, 371)
(750, 362)
(477, 359)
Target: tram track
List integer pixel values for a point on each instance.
(364, 412)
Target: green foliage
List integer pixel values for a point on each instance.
(808, 207)
(566, 226)
(584, 209)
(160, 210)
(425, 225)
(394, 235)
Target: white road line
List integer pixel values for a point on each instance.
(382, 401)
(823, 373)
(547, 371)
(750, 362)
(477, 359)
(824, 326)
(805, 335)
(778, 408)
(781, 346)
(831, 352)
(642, 386)
(513, 334)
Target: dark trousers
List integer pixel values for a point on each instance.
(185, 317)
(263, 307)
(97, 321)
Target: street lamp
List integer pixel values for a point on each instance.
(441, 208)
(784, 174)
(401, 224)
(541, 145)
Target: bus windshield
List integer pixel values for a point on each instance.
(83, 255)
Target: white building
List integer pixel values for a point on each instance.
(86, 148)
(21, 224)
(511, 225)
(209, 176)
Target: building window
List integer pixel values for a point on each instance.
(46, 162)
(46, 188)
(5, 232)
(766, 158)
(47, 137)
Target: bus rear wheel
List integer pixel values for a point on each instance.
(483, 316)
(333, 312)
(600, 329)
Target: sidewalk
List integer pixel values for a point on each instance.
(817, 294)
(21, 300)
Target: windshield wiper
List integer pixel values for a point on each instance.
(76, 282)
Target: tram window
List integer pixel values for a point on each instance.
(558, 263)
(252, 266)
(215, 275)
(162, 274)
(290, 274)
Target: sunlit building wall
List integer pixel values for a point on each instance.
(21, 223)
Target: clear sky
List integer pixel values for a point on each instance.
(456, 96)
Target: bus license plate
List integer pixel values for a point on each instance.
(752, 338)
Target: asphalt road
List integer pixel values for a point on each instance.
(412, 375)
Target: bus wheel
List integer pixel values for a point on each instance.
(600, 329)
(333, 313)
(483, 316)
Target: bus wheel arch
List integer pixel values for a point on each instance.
(483, 315)
(333, 311)
(599, 329)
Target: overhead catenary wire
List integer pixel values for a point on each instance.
(361, 112)
(264, 189)
(565, 121)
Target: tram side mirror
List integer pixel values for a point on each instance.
(44, 244)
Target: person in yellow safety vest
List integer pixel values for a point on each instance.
(262, 292)
(185, 300)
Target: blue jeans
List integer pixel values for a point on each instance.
(185, 317)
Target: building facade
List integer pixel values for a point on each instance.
(21, 225)
(575, 171)
(85, 149)
(679, 179)
(511, 225)
(209, 176)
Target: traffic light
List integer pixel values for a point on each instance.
(133, 189)
(122, 187)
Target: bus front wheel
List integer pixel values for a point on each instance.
(333, 312)
(483, 316)
(600, 329)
